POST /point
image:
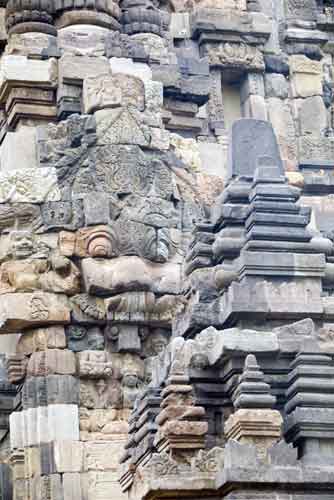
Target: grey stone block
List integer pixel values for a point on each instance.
(276, 85)
(239, 455)
(213, 158)
(313, 116)
(96, 208)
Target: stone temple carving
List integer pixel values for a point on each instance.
(166, 249)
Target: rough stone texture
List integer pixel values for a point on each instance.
(166, 215)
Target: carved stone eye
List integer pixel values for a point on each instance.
(99, 244)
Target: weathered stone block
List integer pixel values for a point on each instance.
(276, 85)
(103, 484)
(306, 76)
(281, 116)
(28, 310)
(29, 186)
(51, 389)
(313, 116)
(68, 456)
(18, 150)
(74, 69)
(112, 91)
(128, 67)
(102, 455)
(72, 486)
(41, 339)
(52, 362)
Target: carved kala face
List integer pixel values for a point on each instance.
(22, 244)
(199, 361)
(130, 381)
(159, 345)
(99, 245)
(96, 341)
(101, 386)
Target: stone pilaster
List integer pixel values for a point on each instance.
(310, 414)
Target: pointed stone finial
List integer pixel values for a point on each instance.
(249, 140)
(251, 362)
(252, 391)
(254, 421)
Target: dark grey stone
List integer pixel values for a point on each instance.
(251, 143)
(239, 455)
(6, 484)
(276, 64)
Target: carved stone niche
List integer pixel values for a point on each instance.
(88, 12)
(123, 338)
(132, 379)
(236, 57)
(94, 364)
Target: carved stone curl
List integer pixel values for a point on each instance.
(33, 16)
(99, 244)
(143, 17)
(94, 12)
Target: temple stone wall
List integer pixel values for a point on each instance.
(166, 249)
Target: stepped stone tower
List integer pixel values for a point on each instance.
(166, 249)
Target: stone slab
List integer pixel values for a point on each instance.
(28, 185)
(28, 310)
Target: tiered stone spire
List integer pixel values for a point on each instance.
(181, 423)
(254, 422)
(252, 391)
